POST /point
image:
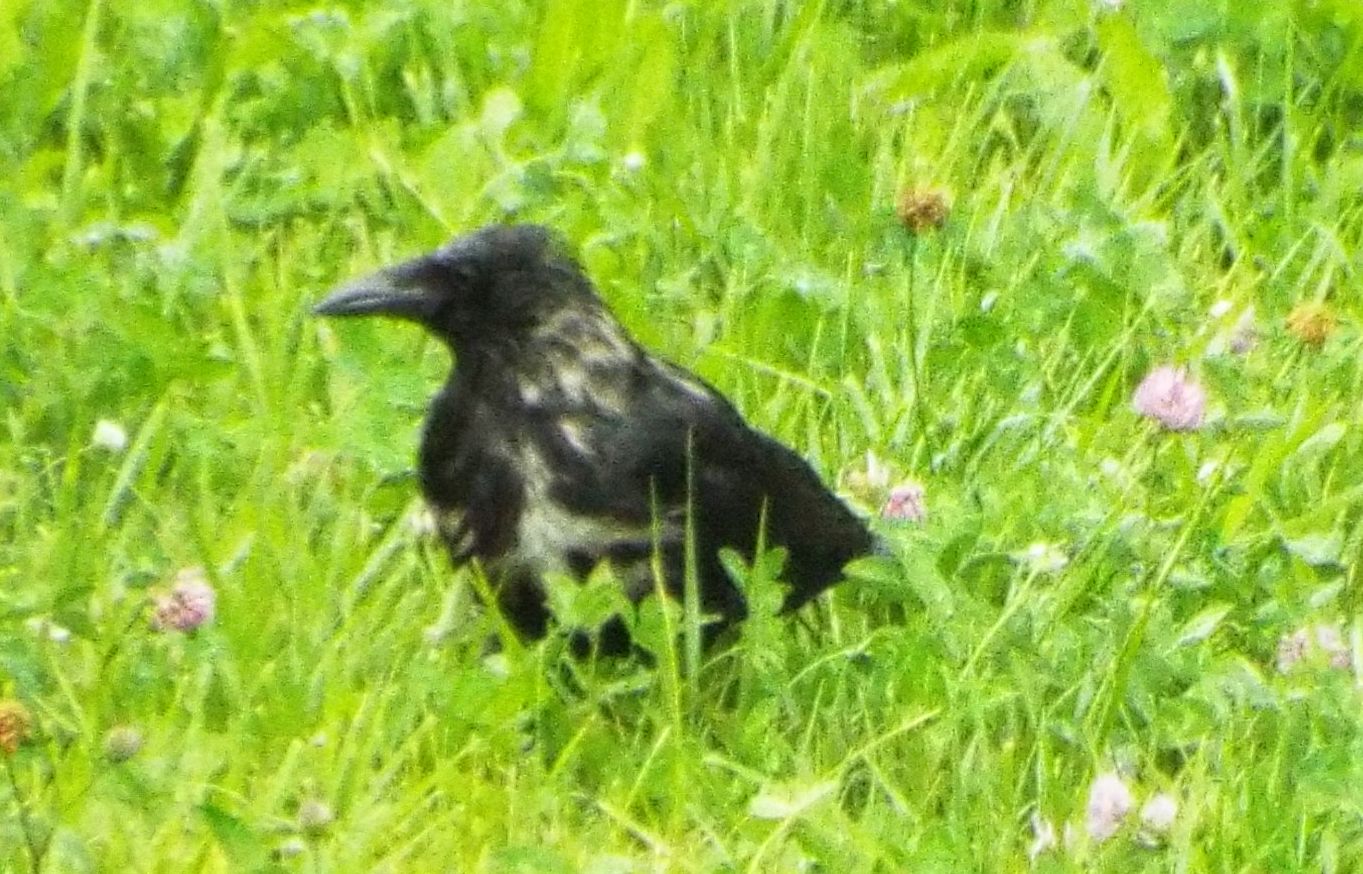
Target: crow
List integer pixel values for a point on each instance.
(558, 442)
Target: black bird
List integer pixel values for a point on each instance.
(558, 442)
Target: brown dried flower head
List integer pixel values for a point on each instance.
(15, 725)
(1311, 322)
(923, 209)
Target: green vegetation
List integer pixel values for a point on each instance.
(1090, 594)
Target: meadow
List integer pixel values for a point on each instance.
(936, 247)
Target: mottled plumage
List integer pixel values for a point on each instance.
(558, 442)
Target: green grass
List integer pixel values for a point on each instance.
(178, 182)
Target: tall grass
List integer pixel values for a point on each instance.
(1088, 595)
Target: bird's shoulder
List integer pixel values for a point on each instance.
(632, 448)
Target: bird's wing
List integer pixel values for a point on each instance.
(682, 442)
(741, 473)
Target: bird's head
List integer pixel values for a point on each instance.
(495, 284)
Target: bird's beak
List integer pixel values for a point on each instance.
(404, 291)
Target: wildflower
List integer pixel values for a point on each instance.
(1042, 558)
(1169, 397)
(15, 725)
(290, 848)
(923, 209)
(1292, 650)
(1332, 645)
(421, 522)
(1237, 338)
(1322, 640)
(1311, 322)
(314, 816)
(109, 436)
(1158, 814)
(122, 742)
(786, 801)
(905, 504)
(633, 161)
(41, 626)
(497, 665)
(1115, 471)
(438, 631)
(873, 478)
(1244, 335)
(189, 604)
(1043, 836)
(1109, 803)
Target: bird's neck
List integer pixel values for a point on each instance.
(569, 362)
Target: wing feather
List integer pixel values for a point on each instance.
(638, 462)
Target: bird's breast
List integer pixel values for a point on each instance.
(523, 468)
(552, 536)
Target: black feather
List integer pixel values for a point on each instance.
(558, 443)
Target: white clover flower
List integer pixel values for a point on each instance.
(291, 847)
(1244, 334)
(421, 522)
(109, 436)
(1043, 836)
(872, 479)
(1109, 803)
(1238, 338)
(190, 603)
(122, 742)
(1322, 640)
(497, 665)
(1159, 813)
(1169, 396)
(315, 816)
(43, 627)
(905, 504)
(1042, 558)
